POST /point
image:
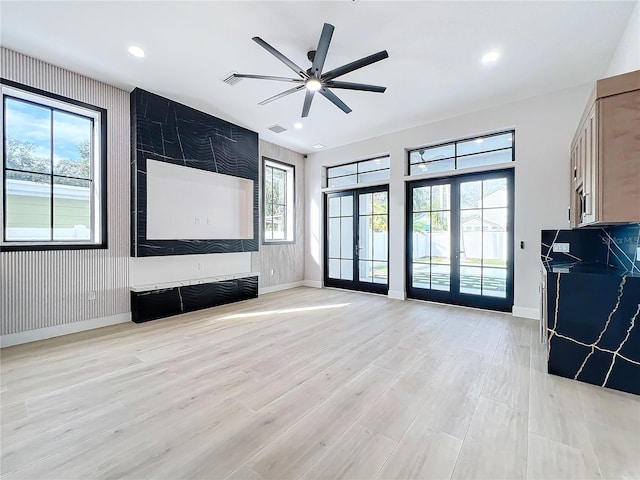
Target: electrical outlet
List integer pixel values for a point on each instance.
(196, 220)
(209, 221)
(92, 295)
(561, 247)
(201, 266)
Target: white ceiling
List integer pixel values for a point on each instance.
(433, 70)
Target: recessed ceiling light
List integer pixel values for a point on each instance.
(317, 146)
(490, 57)
(136, 51)
(297, 125)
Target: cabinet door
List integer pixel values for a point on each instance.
(577, 173)
(590, 167)
(573, 222)
(619, 162)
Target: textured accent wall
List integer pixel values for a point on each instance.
(50, 288)
(287, 260)
(167, 131)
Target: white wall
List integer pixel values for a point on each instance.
(627, 55)
(544, 128)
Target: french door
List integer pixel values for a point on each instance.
(356, 241)
(460, 240)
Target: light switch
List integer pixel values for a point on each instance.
(561, 247)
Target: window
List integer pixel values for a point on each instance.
(365, 171)
(472, 152)
(278, 181)
(53, 171)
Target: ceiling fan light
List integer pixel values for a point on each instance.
(313, 84)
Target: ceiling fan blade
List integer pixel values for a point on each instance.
(350, 67)
(267, 77)
(280, 57)
(323, 48)
(280, 95)
(332, 97)
(356, 86)
(307, 103)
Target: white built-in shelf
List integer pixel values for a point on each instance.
(195, 281)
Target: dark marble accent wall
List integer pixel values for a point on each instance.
(154, 304)
(167, 131)
(593, 305)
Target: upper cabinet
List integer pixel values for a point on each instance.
(605, 155)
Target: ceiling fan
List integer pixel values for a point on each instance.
(313, 80)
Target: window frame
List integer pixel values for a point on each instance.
(290, 201)
(54, 102)
(456, 156)
(358, 173)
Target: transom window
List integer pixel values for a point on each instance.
(365, 171)
(472, 152)
(278, 200)
(54, 171)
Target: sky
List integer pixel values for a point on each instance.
(32, 123)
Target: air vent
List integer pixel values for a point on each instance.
(231, 79)
(277, 128)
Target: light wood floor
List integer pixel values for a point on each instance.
(309, 383)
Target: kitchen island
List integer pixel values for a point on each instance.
(593, 306)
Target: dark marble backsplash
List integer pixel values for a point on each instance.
(615, 246)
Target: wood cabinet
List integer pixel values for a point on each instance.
(605, 155)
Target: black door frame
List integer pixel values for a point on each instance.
(453, 296)
(354, 284)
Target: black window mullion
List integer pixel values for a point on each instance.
(92, 174)
(455, 155)
(271, 201)
(284, 209)
(51, 175)
(482, 239)
(55, 175)
(4, 171)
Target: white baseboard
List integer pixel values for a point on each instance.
(525, 312)
(312, 283)
(277, 288)
(59, 330)
(396, 294)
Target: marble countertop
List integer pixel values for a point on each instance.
(587, 268)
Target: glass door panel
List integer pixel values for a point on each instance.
(460, 248)
(365, 212)
(340, 237)
(431, 237)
